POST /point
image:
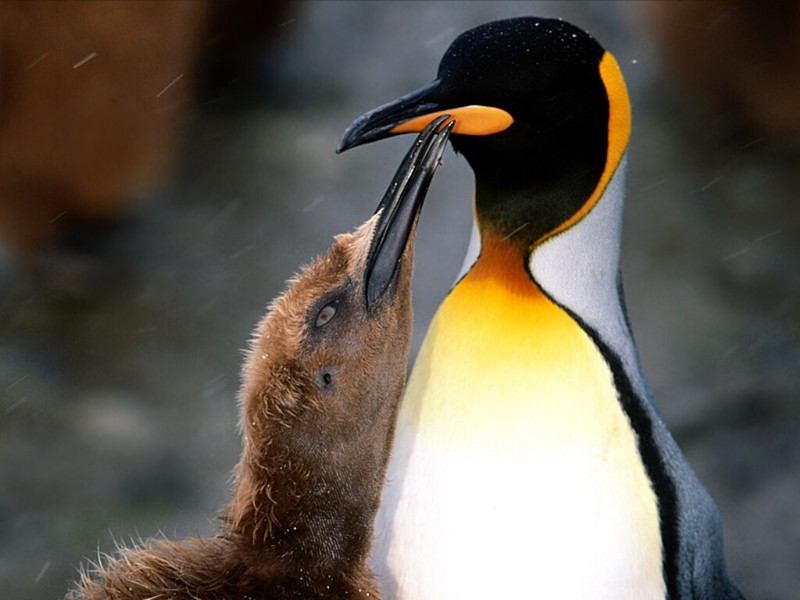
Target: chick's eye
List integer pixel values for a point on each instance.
(325, 315)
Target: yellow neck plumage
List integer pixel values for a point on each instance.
(498, 321)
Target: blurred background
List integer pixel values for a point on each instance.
(165, 167)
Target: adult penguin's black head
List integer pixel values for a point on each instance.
(540, 108)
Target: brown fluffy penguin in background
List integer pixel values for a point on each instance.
(740, 58)
(322, 382)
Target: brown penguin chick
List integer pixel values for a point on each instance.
(322, 382)
(741, 57)
(93, 98)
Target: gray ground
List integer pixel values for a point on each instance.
(118, 413)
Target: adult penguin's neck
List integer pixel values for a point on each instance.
(577, 267)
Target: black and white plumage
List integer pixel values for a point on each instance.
(530, 458)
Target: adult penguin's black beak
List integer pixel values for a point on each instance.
(414, 111)
(400, 208)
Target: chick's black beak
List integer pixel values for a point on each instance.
(400, 208)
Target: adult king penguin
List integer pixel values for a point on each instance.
(530, 459)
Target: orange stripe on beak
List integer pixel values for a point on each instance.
(470, 120)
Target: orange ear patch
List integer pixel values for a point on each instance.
(619, 132)
(470, 120)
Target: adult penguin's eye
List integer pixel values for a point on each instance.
(325, 314)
